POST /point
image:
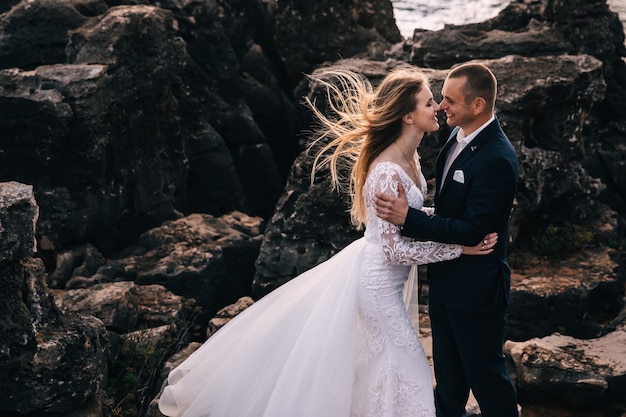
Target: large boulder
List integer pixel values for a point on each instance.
(41, 41)
(140, 119)
(18, 217)
(572, 296)
(200, 257)
(310, 224)
(105, 165)
(235, 96)
(355, 28)
(125, 307)
(580, 373)
(48, 361)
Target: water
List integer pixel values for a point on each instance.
(429, 15)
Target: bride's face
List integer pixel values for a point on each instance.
(425, 113)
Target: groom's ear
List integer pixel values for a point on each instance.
(479, 105)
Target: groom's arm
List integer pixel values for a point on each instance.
(421, 226)
(487, 207)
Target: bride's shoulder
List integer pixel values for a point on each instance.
(388, 167)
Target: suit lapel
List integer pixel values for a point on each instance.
(464, 156)
(441, 159)
(460, 159)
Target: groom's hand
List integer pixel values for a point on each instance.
(390, 208)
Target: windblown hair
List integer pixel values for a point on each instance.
(479, 82)
(362, 122)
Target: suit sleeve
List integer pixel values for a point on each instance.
(487, 207)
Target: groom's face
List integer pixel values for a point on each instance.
(458, 113)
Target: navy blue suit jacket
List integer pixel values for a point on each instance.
(465, 211)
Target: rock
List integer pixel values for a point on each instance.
(223, 129)
(115, 304)
(125, 307)
(578, 372)
(173, 362)
(134, 376)
(128, 158)
(25, 303)
(65, 263)
(67, 370)
(158, 338)
(572, 296)
(194, 146)
(226, 314)
(310, 225)
(48, 361)
(83, 261)
(179, 357)
(66, 356)
(94, 407)
(236, 96)
(606, 160)
(6, 6)
(43, 41)
(536, 39)
(18, 216)
(272, 109)
(620, 319)
(199, 256)
(212, 182)
(158, 307)
(302, 29)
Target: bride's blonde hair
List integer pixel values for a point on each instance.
(363, 121)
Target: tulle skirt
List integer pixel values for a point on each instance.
(291, 354)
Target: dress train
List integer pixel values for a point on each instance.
(292, 353)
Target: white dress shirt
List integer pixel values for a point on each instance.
(461, 142)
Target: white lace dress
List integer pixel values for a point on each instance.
(334, 342)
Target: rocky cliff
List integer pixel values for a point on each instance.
(152, 173)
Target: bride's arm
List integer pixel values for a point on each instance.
(397, 249)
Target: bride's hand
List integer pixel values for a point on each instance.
(485, 246)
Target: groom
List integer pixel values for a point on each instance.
(476, 180)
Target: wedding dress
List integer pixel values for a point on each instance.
(335, 341)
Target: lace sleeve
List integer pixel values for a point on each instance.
(398, 250)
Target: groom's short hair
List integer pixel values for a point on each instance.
(479, 82)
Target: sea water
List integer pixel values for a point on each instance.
(429, 15)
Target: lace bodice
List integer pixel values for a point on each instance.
(398, 250)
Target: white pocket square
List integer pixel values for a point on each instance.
(458, 176)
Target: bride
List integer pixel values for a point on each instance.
(337, 340)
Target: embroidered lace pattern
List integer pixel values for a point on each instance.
(393, 376)
(385, 178)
